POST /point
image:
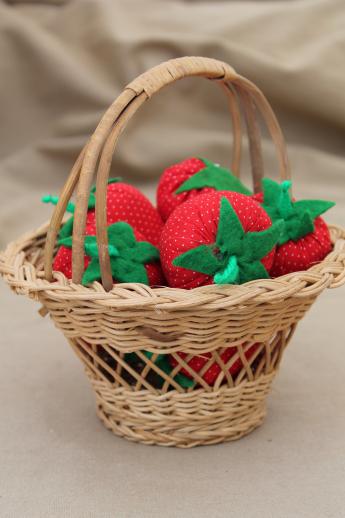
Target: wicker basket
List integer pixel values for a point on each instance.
(105, 321)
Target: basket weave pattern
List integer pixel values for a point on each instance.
(104, 322)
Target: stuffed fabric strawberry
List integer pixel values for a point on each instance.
(305, 238)
(124, 203)
(198, 362)
(189, 178)
(132, 258)
(218, 237)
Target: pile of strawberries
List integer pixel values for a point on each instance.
(208, 228)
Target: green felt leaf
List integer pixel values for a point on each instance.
(183, 381)
(214, 176)
(258, 244)
(285, 207)
(65, 241)
(67, 229)
(90, 244)
(277, 199)
(200, 259)
(230, 231)
(121, 270)
(253, 271)
(314, 207)
(272, 212)
(271, 191)
(121, 235)
(92, 272)
(125, 271)
(91, 247)
(162, 361)
(91, 204)
(296, 227)
(145, 252)
(230, 274)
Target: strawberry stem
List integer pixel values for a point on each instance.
(48, 198)
(285, 204)
(230, 274)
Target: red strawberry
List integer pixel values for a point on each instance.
(124, 203)
(187, 179)
(132, 258)
(305, 238)
(218, 237)
(198, 362)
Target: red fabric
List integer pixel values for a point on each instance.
(304, 253)
(63, 261)
(210, 376)
(128, 204)
(172, 178)
(258, 197)
(295, 256)
(195, 222)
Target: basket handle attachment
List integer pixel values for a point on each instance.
(96, 157)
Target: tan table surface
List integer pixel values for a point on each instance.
(57, 460)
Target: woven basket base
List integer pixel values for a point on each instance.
(183, 420)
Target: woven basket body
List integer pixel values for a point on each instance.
(104, 323)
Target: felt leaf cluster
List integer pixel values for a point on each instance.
(298, 216)
(214, 176)
(235, 256)
(127, 255)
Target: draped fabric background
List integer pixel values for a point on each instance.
(61, 64)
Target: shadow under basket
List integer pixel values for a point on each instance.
(136, 342)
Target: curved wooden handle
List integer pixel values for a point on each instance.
(98, 152)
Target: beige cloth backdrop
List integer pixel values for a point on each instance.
(61, 65)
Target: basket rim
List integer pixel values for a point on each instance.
(24, 278)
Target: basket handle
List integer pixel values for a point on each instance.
(97, 154)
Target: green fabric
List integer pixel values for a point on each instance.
(230, 274)
(127, 256)
(285, 203)
(214, 176)
(67, 229)
(235, 256)
(48, 198)
(230, 232)
(162, 362)
(314, 207)
(200, 259)
(91, 248)
(297, 216)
